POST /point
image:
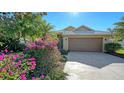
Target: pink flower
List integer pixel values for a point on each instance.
(23, 77)
(15, 57)
(2, 56)
(16, 65)
(33, 45)
(42, 76)
(33, 78)
(47, 36)
(11, 73)
(28, 63)
(33, 63)
(6, 51)
(31, 59)
(3, 70)
(12, 63)
(19, 63)
(32, 67)
(39, 47)
(7, 67)
(24, 72)
(39, 41)
(42, 46)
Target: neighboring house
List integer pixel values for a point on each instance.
(84, 39)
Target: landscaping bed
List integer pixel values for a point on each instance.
(40, 60)
(114, 49)
(116, 54)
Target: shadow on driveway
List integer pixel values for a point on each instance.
(95, 59)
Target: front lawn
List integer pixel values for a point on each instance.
(120, 51)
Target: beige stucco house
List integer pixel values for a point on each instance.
(84, 39)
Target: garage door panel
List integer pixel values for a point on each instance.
(85, 44)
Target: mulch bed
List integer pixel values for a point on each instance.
(116, 54)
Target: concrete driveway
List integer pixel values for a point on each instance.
(94, 65)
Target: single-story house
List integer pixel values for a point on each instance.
(84, 39)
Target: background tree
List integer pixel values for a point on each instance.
(46, 27)
(119, 30)
(111, 32)
(22, 25)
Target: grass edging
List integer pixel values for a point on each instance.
(116, 54)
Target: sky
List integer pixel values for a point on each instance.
(96, 20)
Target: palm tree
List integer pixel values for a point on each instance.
(119, 30)
(46, 27)
(111, 32)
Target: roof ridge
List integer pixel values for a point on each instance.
(84, 27)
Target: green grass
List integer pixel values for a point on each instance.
(120, 51)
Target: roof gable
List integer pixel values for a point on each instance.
(83, 28)
(69, 28)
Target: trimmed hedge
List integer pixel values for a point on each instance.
(112, 47)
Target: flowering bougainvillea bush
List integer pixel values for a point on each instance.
(37, 62)
(15, 66)
(47, 55)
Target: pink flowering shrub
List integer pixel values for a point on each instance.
(37, 62)
(46, 53)
(15, 66)
(42, 43)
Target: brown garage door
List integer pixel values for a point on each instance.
(85, 44)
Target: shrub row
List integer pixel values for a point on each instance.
(112, 47)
